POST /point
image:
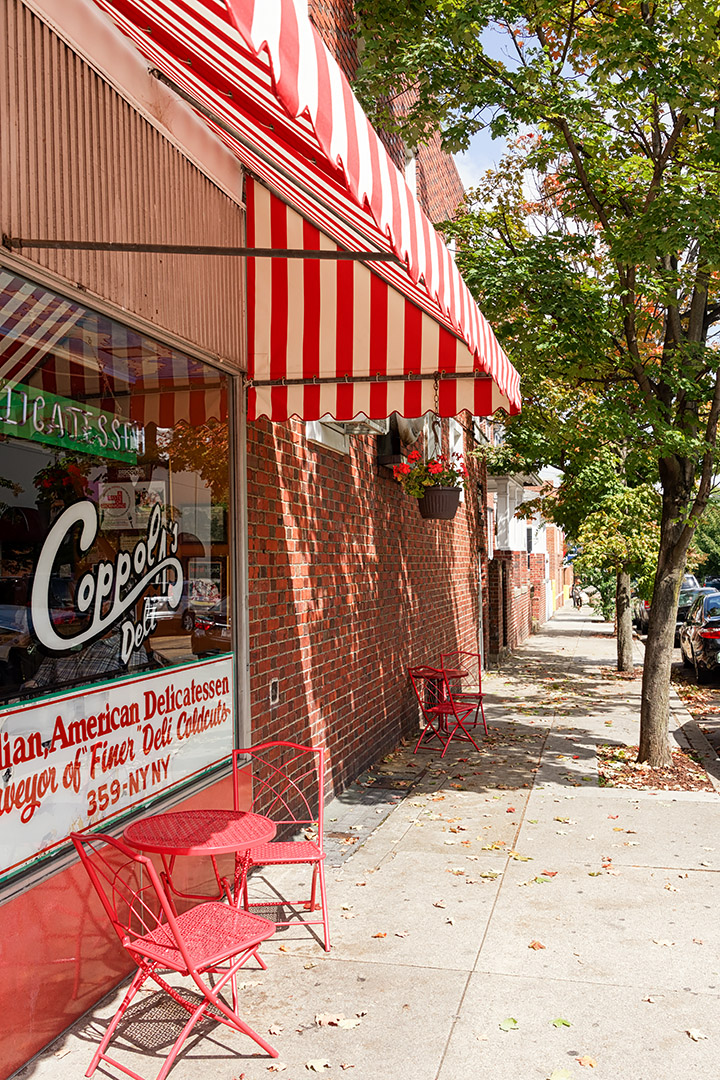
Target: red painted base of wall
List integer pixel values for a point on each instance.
(60, 955)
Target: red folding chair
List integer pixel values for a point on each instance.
(211, 939)
(444, 717)
(288, 783)
(464, 670)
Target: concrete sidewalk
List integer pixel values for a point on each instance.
(505, 890)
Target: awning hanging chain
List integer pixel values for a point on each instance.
(437, 393)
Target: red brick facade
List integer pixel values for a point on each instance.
(439, 187)
(348, 586)
(334, 20)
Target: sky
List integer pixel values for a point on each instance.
(484, 153)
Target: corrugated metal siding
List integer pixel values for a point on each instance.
(77, 161)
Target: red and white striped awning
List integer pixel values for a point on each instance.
(270, 89)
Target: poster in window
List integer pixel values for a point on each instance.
(148, 493)
(205, 580)
(117, 506)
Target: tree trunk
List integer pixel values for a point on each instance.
(655, 707)
(624, 623)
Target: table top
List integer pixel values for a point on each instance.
(437, 673)
(199, 832)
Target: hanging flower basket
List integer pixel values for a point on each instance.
(440, 503)
(436, 483)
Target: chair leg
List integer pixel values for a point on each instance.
(138, 980)
(323, 900)
(467, 734)
(311, 905)
(482, 713)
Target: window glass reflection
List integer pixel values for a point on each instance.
(114, 498)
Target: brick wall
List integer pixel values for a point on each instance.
(348, 586)
(334, 20)
(439, 187)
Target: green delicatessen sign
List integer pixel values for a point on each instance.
(38, 415)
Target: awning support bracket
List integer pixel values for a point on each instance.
(434, 377)
(15, 243)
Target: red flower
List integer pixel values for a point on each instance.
(435, 467)
(414, 455)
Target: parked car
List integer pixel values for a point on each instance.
(700, 636)
(212, 632)
(685, 602)
(641, 608)
(640, 614)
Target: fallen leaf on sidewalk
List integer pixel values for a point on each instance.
(560, 1023)
(277, 1066)
(328, 1019)
(697, 941)
(439, 903)
(696, 1035)
(401, 933)
(510, 1024)
(317, 1065)
(650, 1000)
(274, 1030)
(510, 810)
(613, 817)
(346, 1065)
(549, 873)
(381, 934)
(309, 965)
(560, 1074)
(536, 945)
(590, 1062)
(661, 941)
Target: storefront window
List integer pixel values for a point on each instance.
(115, 576)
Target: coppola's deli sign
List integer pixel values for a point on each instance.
(84, 757)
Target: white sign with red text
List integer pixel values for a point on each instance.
(83, 757)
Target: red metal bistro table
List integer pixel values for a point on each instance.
(202, 832)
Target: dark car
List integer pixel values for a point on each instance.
(212, 632)
(685, 601)
(641, 608)
(700, 636)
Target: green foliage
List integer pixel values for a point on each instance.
(594, 248)
(706, 542)
(601, 586)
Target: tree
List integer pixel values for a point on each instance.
(614, 525)
(619, 110)
(621, 537)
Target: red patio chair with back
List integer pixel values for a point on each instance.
(287, 787)
(464, 670)
(209, 940)
(444, 717)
